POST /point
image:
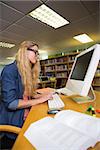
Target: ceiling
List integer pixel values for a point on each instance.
(16, 25)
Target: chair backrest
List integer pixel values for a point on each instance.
(8, 128)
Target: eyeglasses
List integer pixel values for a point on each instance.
(35, 51)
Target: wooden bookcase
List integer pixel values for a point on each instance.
(58, 67)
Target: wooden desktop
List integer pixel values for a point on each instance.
(39, 111)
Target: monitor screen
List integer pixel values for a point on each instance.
(81, 66)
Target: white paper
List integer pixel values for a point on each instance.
(81, 122)
(48, 134)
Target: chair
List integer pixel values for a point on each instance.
(9, 128)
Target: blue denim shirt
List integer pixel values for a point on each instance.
(12, 91)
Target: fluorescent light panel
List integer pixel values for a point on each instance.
(10, 58)
(7, 45)
(42, 51)
(83, 38)
(48, 16)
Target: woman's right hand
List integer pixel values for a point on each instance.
(45, 97)
(35, 101)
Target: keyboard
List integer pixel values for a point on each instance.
(56, 102)
(65, 91)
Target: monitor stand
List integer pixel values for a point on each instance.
(85, 99)
(91, 94)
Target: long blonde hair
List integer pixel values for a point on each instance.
(28, 73)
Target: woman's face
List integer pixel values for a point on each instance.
(33, 54)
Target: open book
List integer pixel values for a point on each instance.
(68, 130)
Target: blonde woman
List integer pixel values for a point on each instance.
(19, 83)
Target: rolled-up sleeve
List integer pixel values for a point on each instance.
(9, 94)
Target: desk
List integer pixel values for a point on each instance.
(39, 111)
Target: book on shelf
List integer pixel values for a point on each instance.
(67, 130)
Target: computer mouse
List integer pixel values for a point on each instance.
(53, 111)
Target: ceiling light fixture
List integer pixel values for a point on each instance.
(10, 58)
(48, 16)
(83, 38)
(7, 45)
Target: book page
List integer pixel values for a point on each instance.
(81, 122)
(48, 134)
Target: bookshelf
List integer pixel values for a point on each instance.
(58, 67)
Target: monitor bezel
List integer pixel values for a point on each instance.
(82, 87)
